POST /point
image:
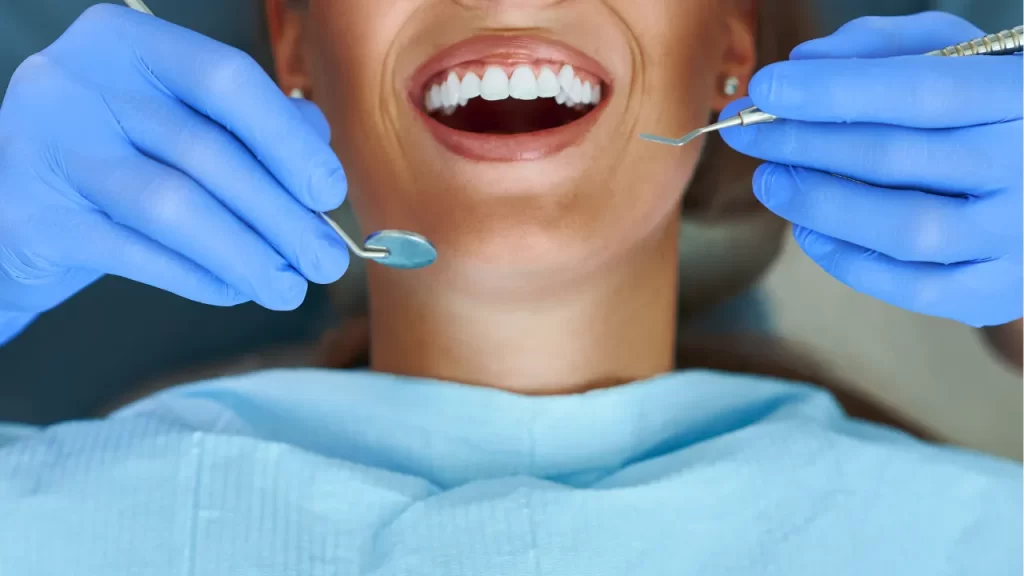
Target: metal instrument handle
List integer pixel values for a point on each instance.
(754, 115)
(140, 6)
(1005, 42)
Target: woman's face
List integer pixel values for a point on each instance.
(506, 131)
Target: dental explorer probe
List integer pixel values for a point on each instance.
(393, 248)
(1005, 42)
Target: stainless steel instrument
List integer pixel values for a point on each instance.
(1002, 43)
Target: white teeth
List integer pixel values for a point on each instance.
(565, 77)
(470, 87)
(434, 98)
(451, 90)
(494, 86)
(523, 84)
(547, 84)
(565, 87)
(576, 92)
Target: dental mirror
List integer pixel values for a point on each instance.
(394, 248)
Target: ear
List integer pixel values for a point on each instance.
(286, 27)
(739, 59)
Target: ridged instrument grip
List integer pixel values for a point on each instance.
(1005, 42)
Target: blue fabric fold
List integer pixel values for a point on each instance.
(318, 473)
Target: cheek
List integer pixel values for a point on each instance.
(651, 183)
(350, 47)
(673, 90)
(678, 63)
(680, 47)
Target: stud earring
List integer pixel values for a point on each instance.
(732, 86)
(297, 93)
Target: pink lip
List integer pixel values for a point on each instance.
(507, 50)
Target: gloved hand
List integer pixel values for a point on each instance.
(935, 227)
(138, 148)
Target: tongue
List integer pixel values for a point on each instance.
(509, 116)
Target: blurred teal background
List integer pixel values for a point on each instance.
(989, 15)
(117, 334)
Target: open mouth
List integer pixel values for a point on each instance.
(512, 100)
(500, 98)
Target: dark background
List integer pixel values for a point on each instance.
(117, 334)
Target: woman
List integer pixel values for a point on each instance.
(568, 446)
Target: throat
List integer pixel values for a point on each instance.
(613, 328)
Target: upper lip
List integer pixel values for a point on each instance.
(502, 49)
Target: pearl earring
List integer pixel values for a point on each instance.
(297, 93)
(732, 86)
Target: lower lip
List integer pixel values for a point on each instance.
(512, 147)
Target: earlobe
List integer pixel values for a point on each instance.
(739, 57)
(285, 27)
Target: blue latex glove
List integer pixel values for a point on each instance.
(937, 229)
(137, 148)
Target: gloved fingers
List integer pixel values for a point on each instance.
(102, 245)
(224, 84)
(165, 129)
(314, 118)
(913, 91)
(975, 161)
(905, 225)
(976, 294)
(173, 210)
(886, 36)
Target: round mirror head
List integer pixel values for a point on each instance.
(406, 250)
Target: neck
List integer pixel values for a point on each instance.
(614, 325)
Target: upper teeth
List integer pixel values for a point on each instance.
(566, 87)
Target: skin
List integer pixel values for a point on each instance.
(556, 275)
